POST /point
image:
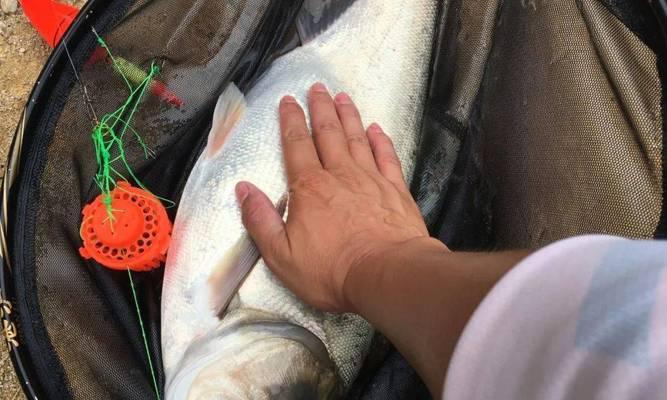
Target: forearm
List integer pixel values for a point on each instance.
(420, 296)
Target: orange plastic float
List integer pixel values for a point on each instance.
(49, 17)
(138, 235)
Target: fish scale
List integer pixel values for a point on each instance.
(379, 53)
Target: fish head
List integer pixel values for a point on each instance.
(278, 360)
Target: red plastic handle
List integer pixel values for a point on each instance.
(49, 17)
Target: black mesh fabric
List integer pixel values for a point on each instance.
(576, 149)
(552, 115)
(78, 317)
(449, 183)
(506, 100)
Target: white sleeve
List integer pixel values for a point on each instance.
(584, 318)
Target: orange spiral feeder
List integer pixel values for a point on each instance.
(135, 236)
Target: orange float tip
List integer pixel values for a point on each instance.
(136, 235)
(51, 18)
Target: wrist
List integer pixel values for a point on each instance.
(366, 276)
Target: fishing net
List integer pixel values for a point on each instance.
(543, 120)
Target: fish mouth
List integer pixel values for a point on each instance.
(253, 359)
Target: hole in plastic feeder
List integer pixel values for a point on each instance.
(119, 242)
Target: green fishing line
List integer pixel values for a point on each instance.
(109, 133)
(143, 334)
(108, 141)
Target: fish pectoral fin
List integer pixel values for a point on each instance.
(228, 111)
(227, 277)
(316, 16)
(229, 274)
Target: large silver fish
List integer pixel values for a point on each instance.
(234, 334)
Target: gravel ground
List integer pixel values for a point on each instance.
(22, 54)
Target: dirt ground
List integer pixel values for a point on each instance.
(22, 54)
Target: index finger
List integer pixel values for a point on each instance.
(298, 147)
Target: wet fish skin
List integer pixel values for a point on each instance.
(378, 51)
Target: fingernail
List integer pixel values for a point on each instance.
(374, 127)
(319, 87)
(241, 192)
(288, 99)
(343, 98)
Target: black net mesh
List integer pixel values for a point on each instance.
(580, 150)
(78, 315)
(544, 120)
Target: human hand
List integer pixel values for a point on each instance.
(348, 201)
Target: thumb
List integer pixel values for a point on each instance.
(263, 222)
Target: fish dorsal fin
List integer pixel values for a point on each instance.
(228, 111)
(235, 265)
(316, 16)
